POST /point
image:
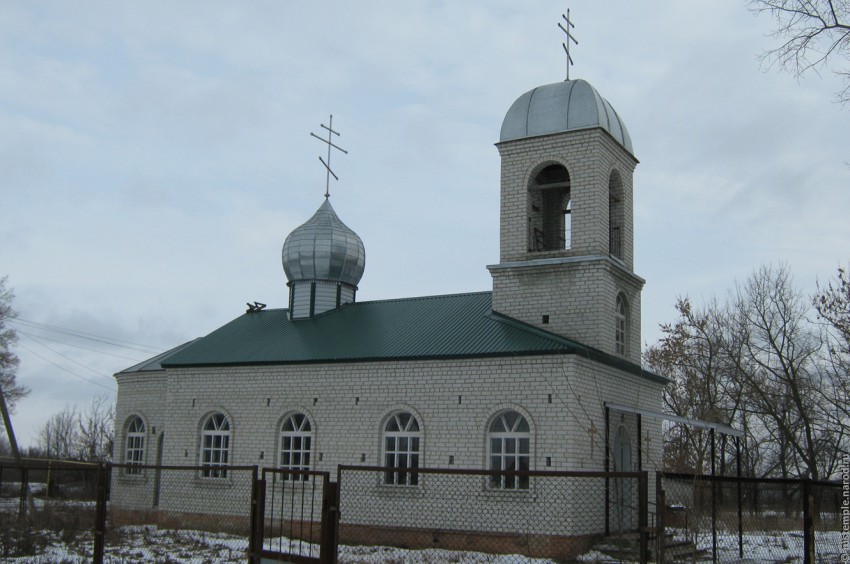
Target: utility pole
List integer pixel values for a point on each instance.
(13, 443)
(10, 432)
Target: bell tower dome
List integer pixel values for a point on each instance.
(566, 230)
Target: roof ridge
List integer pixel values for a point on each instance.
(387, 300)
(428, 297)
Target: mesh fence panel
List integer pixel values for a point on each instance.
(47, 512)
(178, 513)
(827, 520)
(473, 515)
(768, 527)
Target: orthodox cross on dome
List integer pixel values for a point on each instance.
(330, 128)
(566, 44)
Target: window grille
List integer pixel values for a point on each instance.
(401, 449)
(215, 446)
(510, 449)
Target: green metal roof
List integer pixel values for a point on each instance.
(154, 364)
(449, 326)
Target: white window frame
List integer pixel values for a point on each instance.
(509, 449)
(401, 442)
(215, 446)
(295, 445)
(134, 445)
(621, 316)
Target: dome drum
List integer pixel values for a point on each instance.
(308, 298)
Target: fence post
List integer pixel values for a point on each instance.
(22, 509)
(100, 514)
(808, 525)
(643, 518)
(713, 499)
(258, 518)
(740, 499)
(661, 508)
(330, 522)
(607, 470)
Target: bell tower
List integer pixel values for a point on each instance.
(566, 230)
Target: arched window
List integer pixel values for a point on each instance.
(509, 449)
(134, 453)
(615, 215)
(401, 449)
(620, 318)
(215, 446)
(296, 443)
(549, 210)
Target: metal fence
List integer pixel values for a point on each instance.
(444, 515)
(157, 513)
(63, 511)
(43, 507)
(724, 519)
(60, 511)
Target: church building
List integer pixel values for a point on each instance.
(541, 372)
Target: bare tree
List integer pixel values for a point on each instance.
(811, 32)
(74, 434)
(96, 430)
(12, 391)
(60, 437)
(694, 353)
(832, 303)
(780, 374)
(757, 363)
(833, 306)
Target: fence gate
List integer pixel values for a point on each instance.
(295, 517)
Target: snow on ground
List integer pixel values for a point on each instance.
(149, 543)
(768, 547)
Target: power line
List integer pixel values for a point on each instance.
(65, 369)
(77, 346)
(54, 351)
(89, 336)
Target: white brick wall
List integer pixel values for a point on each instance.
(562, 397)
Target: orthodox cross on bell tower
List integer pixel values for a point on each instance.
(566, 44)
(330, 128)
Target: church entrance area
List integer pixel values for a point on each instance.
(303, 516)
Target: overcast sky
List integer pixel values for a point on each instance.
(154, 156)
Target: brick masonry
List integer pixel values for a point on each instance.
(578, 294)
(561, 396)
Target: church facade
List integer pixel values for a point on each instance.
(517, 378)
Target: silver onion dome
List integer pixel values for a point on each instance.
(324, 249)
(563, 106)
